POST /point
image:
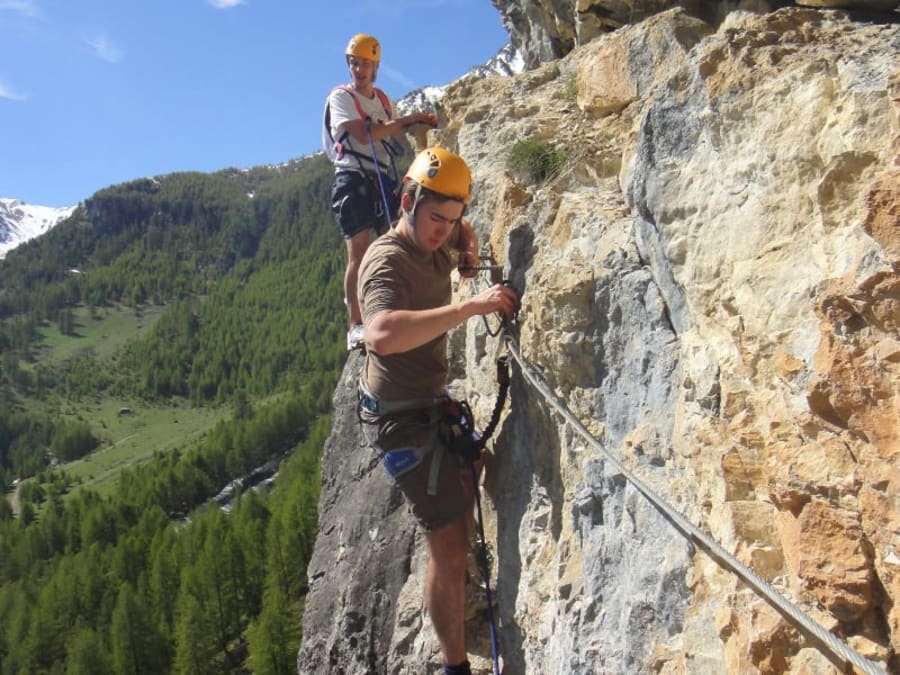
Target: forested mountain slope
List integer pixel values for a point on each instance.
(163, 298)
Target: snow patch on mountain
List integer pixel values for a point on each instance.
(506, 62)
(20, 222)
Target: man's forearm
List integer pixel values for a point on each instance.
(397, 331)
(391, 128)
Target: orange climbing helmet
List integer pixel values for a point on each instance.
(443, 172)
(364, 46)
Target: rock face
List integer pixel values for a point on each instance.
(712, 286)
(362, 554)
(544, 30)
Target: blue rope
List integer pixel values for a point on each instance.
(384, 200)
(486, 573)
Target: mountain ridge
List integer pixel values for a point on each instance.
(21, 222)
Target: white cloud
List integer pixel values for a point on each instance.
(26, 7)
(104, 49)
(396, 76)
(9, 94)
(225, 4)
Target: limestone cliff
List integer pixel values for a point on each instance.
(712, 286)
(542, 30)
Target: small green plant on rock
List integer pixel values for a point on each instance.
(533, 161)
(571, 90)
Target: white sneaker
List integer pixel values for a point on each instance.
(355, 337)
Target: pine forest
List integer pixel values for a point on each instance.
(169, 354)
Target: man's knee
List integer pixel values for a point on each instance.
(449, 547)
(356, 249)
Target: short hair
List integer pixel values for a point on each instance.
(417, 192)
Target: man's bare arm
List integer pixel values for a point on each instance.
(397, 331)
(392, 128)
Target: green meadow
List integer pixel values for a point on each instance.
(130, 438)
(103, 330)
(130, 431)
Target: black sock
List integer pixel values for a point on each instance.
(458, 669)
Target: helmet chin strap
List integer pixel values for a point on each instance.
(411, 214)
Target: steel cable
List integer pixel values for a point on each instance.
(789, 610)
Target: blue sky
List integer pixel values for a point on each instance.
(97, 92)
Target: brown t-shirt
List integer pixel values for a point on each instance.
(393, 275)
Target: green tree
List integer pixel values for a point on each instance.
(16, 607)
(196, 649)
(66, 322)
(243, 409)
(53, 617)
(73, 441)
(251, 517)
(135, 641)
(86, 654)
(214, 579)
(27, 514)
(164, 566)
(274, 637)
(6, 512)
(249, 291)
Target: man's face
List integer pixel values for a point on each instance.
(434, 222)
(361, 70)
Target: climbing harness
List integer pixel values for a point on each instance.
(339, 147)
(427, 411)
(384, 199)
(461, 438)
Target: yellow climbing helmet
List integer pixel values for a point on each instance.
(441, 171)
(364, 46)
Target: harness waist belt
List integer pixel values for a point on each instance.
(378, 407)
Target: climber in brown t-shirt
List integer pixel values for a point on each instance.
(405, 298)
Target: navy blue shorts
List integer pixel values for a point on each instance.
(358, 205)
